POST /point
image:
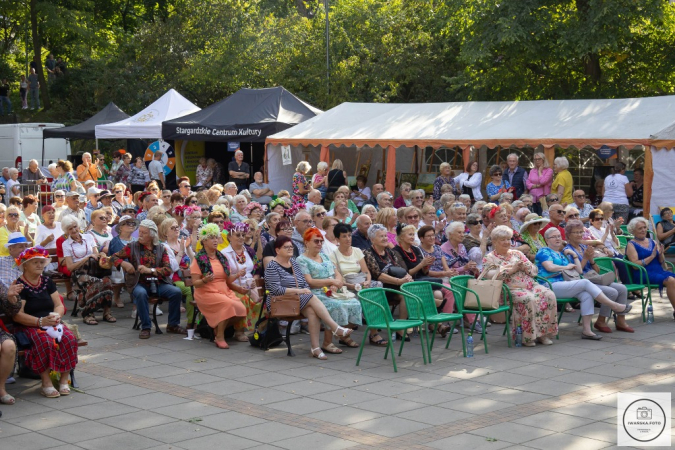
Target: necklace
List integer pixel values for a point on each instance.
(414, 256)
(86, 249)
(241, 259)
(385, 261)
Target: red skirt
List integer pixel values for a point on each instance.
(45, 355)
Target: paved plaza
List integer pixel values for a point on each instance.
(169, 393)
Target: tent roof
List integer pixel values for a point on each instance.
(248, 115)
(148, 123)
(578, 123)
(86, 130)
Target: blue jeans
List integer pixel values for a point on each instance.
(5, 101)
(166, 291)
(35, 98)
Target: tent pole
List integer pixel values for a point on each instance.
(43, 149)
(414, 160)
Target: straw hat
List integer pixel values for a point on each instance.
(532, 218)
(32, 253)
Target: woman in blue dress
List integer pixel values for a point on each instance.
(643, 251)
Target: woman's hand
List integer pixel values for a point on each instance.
(14, 291)
(452, 272)
(471, 265)
(589, 252)
(428, 261)
(570, 266)
(48, 239)
(406, 279)
(128, 267)
(207, 278)
(305, 291)
(51, 320)
(241, 273)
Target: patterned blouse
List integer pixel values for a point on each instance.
(123, 172)
(63, 183)
(493, 189)
(519, 280)
(460, 257)
(438, 184)
(138, 176)
(377, 263)
(438, 255)
(299, 181)
(202, 174)
(147, 259)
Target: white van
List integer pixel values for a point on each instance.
(21, 142)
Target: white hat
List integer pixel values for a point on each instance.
(533, 218)
(16, 238)
(93, 191)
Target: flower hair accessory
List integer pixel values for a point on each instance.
(493, 212)
(208, 231)
(251, 206)
(240, 227)
(187, 210)
(276, 202)
(294, 209)
(179, 210)
(31, 253)
(221, 209)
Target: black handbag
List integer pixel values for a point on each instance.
(266, 332)
(395, 271)
(22, 341)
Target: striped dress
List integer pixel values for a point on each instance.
(279, 278)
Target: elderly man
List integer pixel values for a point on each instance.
(33, 175)
(556, 214)
(93, 194)
(384, 200)
(260, 191)
(583, 207)
(9, 272)
(301, 222)
(550, 199)
(313, 198)
(87, 170)
(148, 260)
(156, 170)
(360, 235)
(516, 175)
(5, 175)
(239, 170)
(148, 200)
(73, 209)
(374, 192)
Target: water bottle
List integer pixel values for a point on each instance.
(519, 336)
(469, 346)
(650, 314)
(393, 337)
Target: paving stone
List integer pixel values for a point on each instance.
(174, 433)
(35, 441)
(152, 401)
(270, 432)
(185, 411)
(46, 419)
(217, 441)
(468, 441)
(7, 429)
(512, 432)
(229, 421)
(119, 441)
(389, 405)
(553, 421)
(303, 405)
(139, 420)
(601, 431)
(84, 430)
(390, 426)
(345, 415)
(101, 410)
(588, 411)
(435, 415)
(314, 441)
(346, 397)
(561, 440)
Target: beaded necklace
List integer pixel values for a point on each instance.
(414, 256)
(86, 249)
(241, 259)
(34, 288)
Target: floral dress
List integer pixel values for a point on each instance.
(299, 181)
(534, 306)
(342, 311)
(122, 174)
(493, 189)
(203, 174)
(63, 183)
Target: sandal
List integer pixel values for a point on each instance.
(90, 320)
(64, 389)
(108, 317)
(344, 332)
(378, 342)
(330, 348)
(50, 392)
(7, 399)
(349, 342)
(240, 336)
(568, 308)
(119, 304)
(221, 344)
(320, 356)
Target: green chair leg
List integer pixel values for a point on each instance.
(425, 344)
(363, 344)
(508, 328)
(433, 336)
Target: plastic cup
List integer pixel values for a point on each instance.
(191, 335)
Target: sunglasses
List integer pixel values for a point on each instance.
(559, 211)
(321, 214)
(480, 222)
(194, 202)
(554, 199)
(12, 215)
(119, 192)
(415, 217)
(175, 228)
(103, 217)
(499, 174)
(598, 218)
(59, 196)
(238, 235)
(573, 215)
(318, 241)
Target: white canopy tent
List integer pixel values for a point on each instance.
(551, 123)
(147, 124)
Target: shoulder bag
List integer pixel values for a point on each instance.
(351, 278)
(489, 291)
(287, 305)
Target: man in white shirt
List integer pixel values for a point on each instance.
(156, 169)
(313, 198)
(73, 202)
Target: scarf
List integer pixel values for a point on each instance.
(204, 262)
(535, 242)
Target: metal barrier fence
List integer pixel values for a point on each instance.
(44, 194)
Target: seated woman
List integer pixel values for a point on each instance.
(125, 228)
(248, 268)
(403, 199)
(48, 232)
(8, 353)
(268, 232)
(283, 228)
(100, 230)
(529, 232)
(82, 258)
(12, 226)
(320, 274)
(345, 194)
(665, 229)
(369, 210)
(330, 243)
(574, 232)
(552, 260)
(283, 276)
(254, 211)
(643, 251)
(213, 282)
(534, 306)
(387, 218)
(341, 212)
(278, 206)
(34, 303)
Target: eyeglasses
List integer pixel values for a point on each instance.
(553, 199)
(580, 196)
(598, 218)
(573, 215)
(480, 222)
(415, 217)
(59, 196)
(238, 235)
(119, 192)
(103, 217)
(498, 174)
(287, 247)
(194, 202)
(286, 229)
(538, 159)
(12, 215)
(320, 214)
(559, 211)
(318, 241)
(175, 228)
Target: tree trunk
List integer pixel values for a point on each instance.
(591, 60)
(37, 50)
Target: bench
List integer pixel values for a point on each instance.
(60, 278)
(10, 324)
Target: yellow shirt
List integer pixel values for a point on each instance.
(222, 246)
(564, 179)
(4, 238)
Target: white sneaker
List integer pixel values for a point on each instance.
(10, 380)
(133, 314)
(159, 311)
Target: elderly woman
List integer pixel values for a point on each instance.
(518, 219)
(230, 188)
(48, 232)
(457, 213)
(320, 179)
(604, 233)
(403, 199)
(342, 193)
(318, 213)
(563, 184)
(574, 232)
(370, 211)
(417, 198)
(278, 206)
(123, 171)
(100, 230)
(499, 217)
(362, 192)
(552, 261)
(29, 215)
(248, 268)
(644, 251)
(497, 185)
(417, 264)
(125, 228)
(254, 210)
(120, 200)
(665, 229)
(82, 258)
(138, 176)
(283, 276)
(283, 228)
(13, 185)
(268, 232)
(445, 177)
(12, 225)
(539, 180)
(238, 212)
(342, 213)
(469, 182)
(474, 239)
(387, 218)
(203, 174)
(301, 186)
(34, 302)
(529, 232)
(386, 265)
(213, 283)
(327, 226)
(534, 306)
(321, 275)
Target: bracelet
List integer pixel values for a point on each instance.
(40, 322)
(643, 263)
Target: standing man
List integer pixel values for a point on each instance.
(4, 98)
(516, 175)
(50, 65)
(239, 171)
(87, 171)
(583, 207)
(156, 169)
(34, 89)
(34, 175)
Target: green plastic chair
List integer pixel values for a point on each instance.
(378, 316)
(606, 264)
(428, 312)
(623, 240)
(460, 284)
(624, 228)
(560, 302)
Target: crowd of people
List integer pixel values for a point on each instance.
(322, 240)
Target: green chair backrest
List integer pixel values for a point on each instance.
(373, 313)
(623, 241)
(463, 282)
(605, 265)
(624, 228)
(423, 291)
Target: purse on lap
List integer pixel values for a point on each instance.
(287, 305)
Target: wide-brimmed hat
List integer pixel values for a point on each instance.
(533, 218)
(72, 194)
(106, 193)
(93, 191)
(32, 253)
(127, 219)
(16, 238)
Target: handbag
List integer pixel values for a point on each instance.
(570, 275)
(605, 279)
(287, 305)
(395, 271)
(266, 332)
(351, 278)
(489, 291)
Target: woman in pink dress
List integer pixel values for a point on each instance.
(539, 181)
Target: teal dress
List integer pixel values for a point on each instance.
(342, 311)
